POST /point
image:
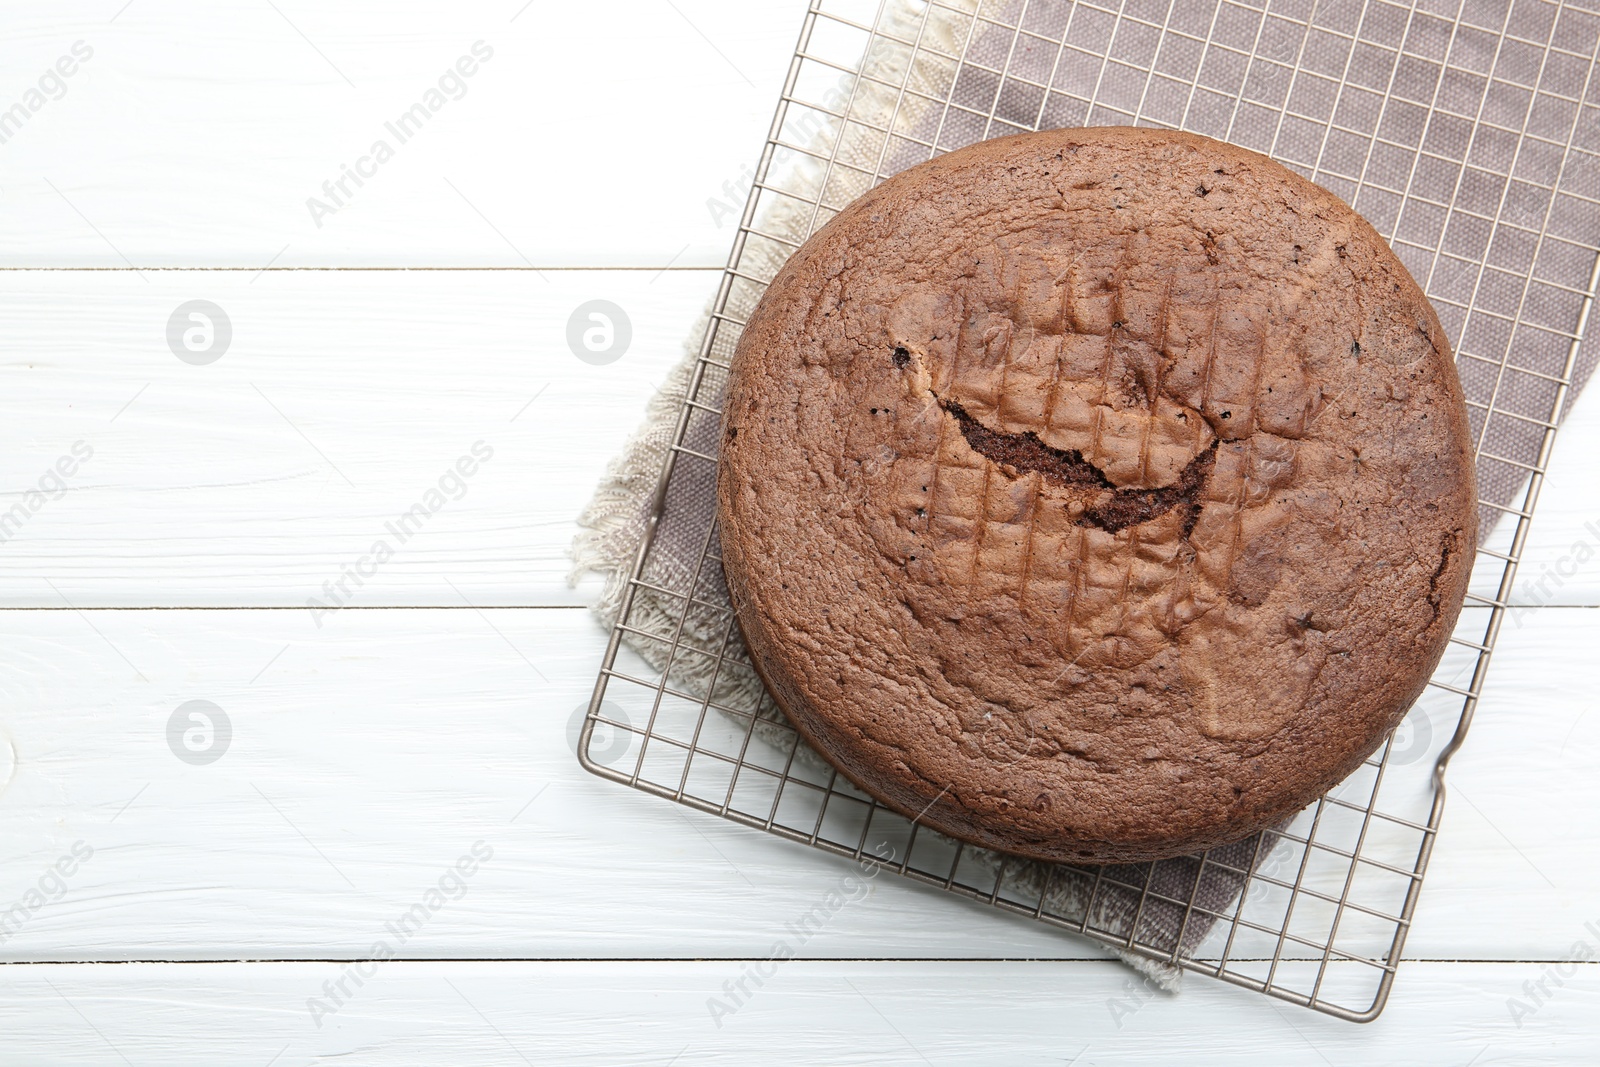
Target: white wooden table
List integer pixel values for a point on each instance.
(177, 516)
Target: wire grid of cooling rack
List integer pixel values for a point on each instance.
(1469, 134)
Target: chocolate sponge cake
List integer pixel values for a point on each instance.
(1096, 495)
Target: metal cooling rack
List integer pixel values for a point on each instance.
(1467, 132)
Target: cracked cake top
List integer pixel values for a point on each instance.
(1096, 495)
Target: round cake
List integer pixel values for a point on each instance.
(1096, 495)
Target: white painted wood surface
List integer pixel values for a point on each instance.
(196, 132)
(343, 398)
(372, 752)
(367, 755)
(809, 1013)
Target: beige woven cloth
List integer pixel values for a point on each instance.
(615, 520)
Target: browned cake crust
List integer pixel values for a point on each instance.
(1096, 495)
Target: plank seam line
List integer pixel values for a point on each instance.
(296, 607)
(472, 607)
(717, 959)
(358, 269)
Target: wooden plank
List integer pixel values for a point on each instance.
(369, 754)
(804, 1013)
(345, 395)
(196, 134)
(342, 400)
(365, 758)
